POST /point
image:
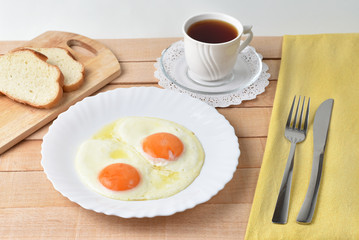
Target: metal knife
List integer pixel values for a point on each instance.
(320, 133)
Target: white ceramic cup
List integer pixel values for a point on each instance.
(213, 62)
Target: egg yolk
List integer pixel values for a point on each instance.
(119, 177)
(163, 145)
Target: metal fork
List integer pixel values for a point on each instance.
(295, 134)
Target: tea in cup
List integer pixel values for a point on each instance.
(212, 42)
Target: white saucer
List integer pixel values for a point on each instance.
(250, 78)
(246, 71)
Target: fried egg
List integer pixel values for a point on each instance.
(113, 169)
(140, 158)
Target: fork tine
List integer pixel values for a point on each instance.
(296, 113)
(306, 117)
(301, 115)
(290, 113)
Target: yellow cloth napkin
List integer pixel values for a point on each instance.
(319, 66)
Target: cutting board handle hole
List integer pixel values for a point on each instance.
(82, 48)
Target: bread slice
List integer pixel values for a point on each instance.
(72, 70)
(26, 77)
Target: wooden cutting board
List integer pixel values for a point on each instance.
(17, 121)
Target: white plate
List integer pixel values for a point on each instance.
(83, 119)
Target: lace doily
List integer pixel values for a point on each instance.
(175, 52)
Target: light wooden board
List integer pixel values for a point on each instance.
(18, 121)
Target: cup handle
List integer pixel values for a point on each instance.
(247, 29)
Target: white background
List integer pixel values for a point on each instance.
(24, 20)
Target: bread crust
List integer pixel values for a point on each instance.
(66, 88)
(59, 80)
(78, 84)
(38, 54)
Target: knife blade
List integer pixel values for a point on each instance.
(320, 133)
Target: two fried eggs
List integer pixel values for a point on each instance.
(140, 158)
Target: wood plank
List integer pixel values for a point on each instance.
(269, 47)
(27, 189)
(39, 134)
(248, 122)
(25, 156)
(240, 189)
(274, 67)
(206, 221)
(141, 49)
(136, 72)
(252, 150)
(264, 99)
(149, 49)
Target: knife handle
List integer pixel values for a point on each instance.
(307, 210)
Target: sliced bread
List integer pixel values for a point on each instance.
(72, 70)
(26, 77)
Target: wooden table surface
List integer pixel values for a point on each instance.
(30, 208)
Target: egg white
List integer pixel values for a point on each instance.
(94, 155)
(133, 130)
(159, 178)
